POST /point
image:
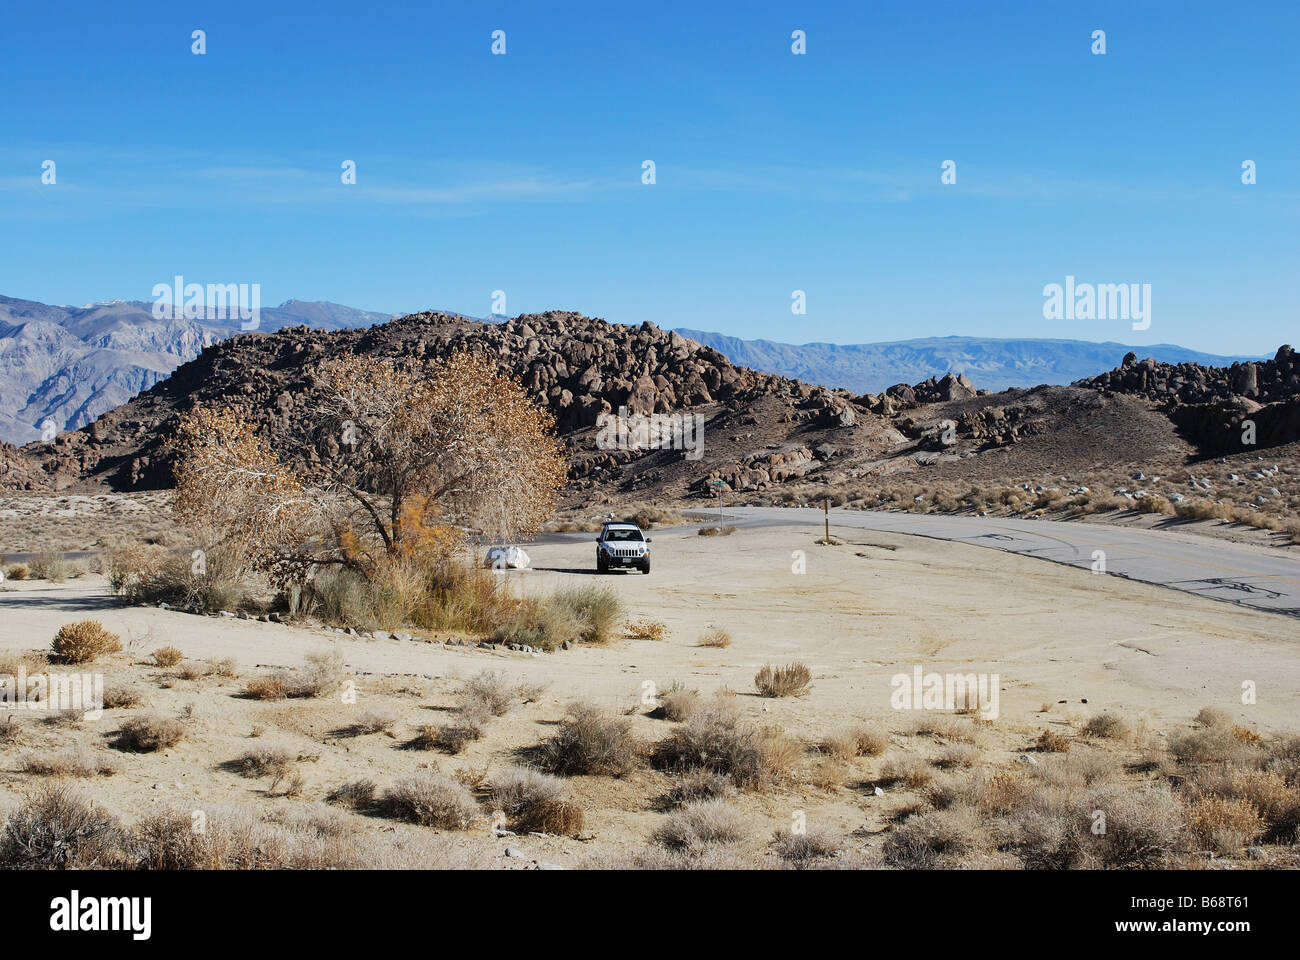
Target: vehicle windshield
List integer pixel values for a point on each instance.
(624, 533)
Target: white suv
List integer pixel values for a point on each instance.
(622, 545)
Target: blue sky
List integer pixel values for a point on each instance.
(775, 172)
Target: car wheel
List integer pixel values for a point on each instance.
(601, 565)
(645, 567)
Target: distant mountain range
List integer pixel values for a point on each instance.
(991, 363)
(70, 364)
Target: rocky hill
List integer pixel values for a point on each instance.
(761, 430)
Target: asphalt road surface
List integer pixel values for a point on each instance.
(1221, 571)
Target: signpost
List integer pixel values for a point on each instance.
(719, 483)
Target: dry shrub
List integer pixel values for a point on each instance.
(10, 729)
(860, 741)
(939, 839)
(958, 755)
(84, 642)
(1107, 726)
(430, 800)
(943, 726)
(596, 609)
(1049, 741)
(70, 717)
(717, 740)
(700, 824)
(320, 676)
(792, 680)
(679, 702)
(76, 762)
(51, 565)
(1267, 791)
(1079, 768)
(263, 762)
(800, 849)
(1222, 825)
(538, 624)
(1206, 744)
(146, 734)
(645, 629)
(451, 738)
(1213, 717)
(909, 770)
(31, 661)
(151, 574)
(489, 693)
(536, 801)
(717, 531)
(356, 795)
(590, 741)
(716, 637)
(167, 656)
(1143, 827)
(191, 670)
(699, 785)
(17, 571)
(374, 721)
(55, 828)
(225, 667)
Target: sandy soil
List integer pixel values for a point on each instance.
(874, 607)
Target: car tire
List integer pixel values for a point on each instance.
(601, 565)
(645, 567)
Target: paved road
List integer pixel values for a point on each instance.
(1209, 568)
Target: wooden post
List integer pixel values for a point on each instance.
(826, 509)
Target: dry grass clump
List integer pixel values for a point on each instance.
(167, 656)
(1049, 741)
(590, 741)
(958, 755)
(645, 629)
(701, 824)
(374, 721)
(679, 703)
(76, 762)
(55, 828)
(10, 729)
(944, 727)
(83, 642)
(1213, 717)
(69, 717)
(725, 530)
(17, 571)
(1274, 797)
(450, 738)
(792, 680)
(1107, 726)
(147, 734)
(800, 849)
(536, 801)
(596, 609)
(717, 740)
(430, 800)
(118, 695)
(908, 769)
(489, 693)
(193, 670)
(31, 661)
(1143, 827)
(859, 741)
(715, 637)
(320, 676)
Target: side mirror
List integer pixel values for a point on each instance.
(649, 539)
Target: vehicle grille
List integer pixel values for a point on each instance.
(623, 552)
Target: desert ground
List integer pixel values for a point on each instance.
(1066, 646)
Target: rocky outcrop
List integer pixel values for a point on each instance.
(1221, 409)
